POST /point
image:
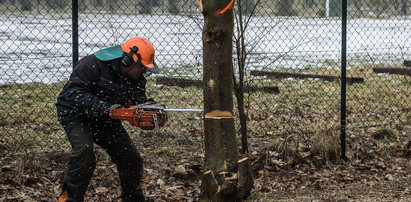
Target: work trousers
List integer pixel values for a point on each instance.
(113, 138)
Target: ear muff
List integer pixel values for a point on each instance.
(127, 59)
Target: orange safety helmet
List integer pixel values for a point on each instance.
(145, 51)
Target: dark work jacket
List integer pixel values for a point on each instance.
(93, 87)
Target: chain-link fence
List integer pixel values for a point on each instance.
(293, 65)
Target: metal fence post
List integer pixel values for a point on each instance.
(74, 8)
(343, 77)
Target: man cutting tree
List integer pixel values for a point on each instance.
(109, 79)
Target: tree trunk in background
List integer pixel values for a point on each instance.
(309, 3)
(172, 7)
(98, 3)
(322, 11)
(247, 6)
(57, 4)
(114, 5)
(225, 177)
(147, 6)
(242, 17)
(404, 7)
(26, 5)
(285, 8)
(82, 5)
(335, 8)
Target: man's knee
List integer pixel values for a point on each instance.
(130, 163)
(136, 160)
(83, 158)
(130, 158)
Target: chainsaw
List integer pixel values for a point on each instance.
(146, 116)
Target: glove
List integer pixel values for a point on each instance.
(115, 106)
(112, 108)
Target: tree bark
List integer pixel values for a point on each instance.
(220, 181)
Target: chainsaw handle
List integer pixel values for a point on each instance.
(143, 116)
(123, 113)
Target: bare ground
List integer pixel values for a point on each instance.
(173, 166)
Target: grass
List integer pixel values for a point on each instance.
(28, 117)
(306, 109)
(167, 151)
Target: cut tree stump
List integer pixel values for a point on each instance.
(387, 70)
(350, 80)
(169, 81)
(245, 180)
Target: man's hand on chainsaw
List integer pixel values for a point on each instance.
(146, 116)
(115, 106)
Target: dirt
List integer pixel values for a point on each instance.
(395, 190)
(173, 166)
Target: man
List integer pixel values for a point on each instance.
(108, 79)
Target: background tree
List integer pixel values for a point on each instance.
(114, 5)
(147, 6)
(242, 19)
(247, 6)
(335, 8)
(226, 178)
(285, 8)
(404, 7)
(98, 3)
(172, 7)
(26, 5)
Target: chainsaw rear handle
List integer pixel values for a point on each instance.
(123, 113)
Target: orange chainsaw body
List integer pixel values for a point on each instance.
(144, 116)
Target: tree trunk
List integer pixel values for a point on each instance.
(285, 8)
(247, 7)
(309, 3)
(172, 7)
(241, 19)
(404, 7)
(114, 5)
(26, 5)
(98, 3)
(335, 8)
(220, 180)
